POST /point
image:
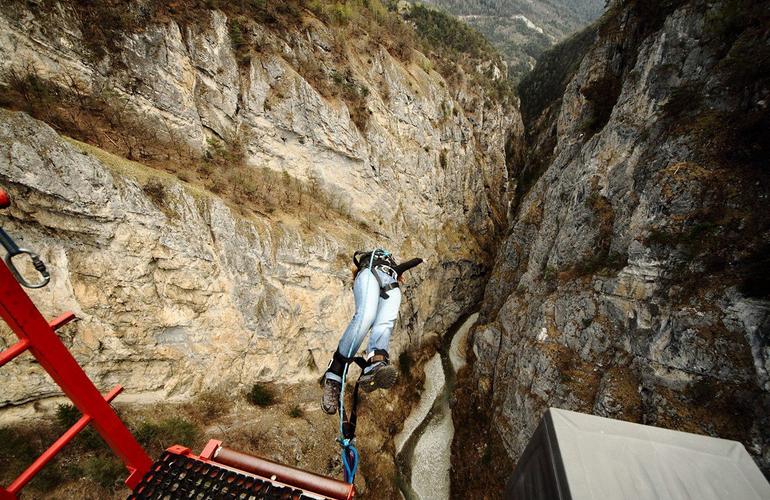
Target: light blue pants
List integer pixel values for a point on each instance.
(372, 312)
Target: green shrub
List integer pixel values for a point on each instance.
(344, 85)
(340, 13)
(239, 30)
(296, 412)
(160, 435)
(591, 265)
(550, 273)
(67, 415)
(689, 240)
(261, 395)
(486, 458)
(443, 31)
(224, 154)
(236, 33)
(88, 439)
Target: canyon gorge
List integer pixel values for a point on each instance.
(197, 176)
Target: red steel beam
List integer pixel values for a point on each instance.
(13, 351)
(283, 473)
(210, 449)
(18, 310)
(22, 345)
(56, 447)
(62, 320)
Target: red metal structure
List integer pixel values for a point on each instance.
(38, 336)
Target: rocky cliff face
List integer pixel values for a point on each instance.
(633, 283)
(186, 284)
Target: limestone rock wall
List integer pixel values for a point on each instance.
(176, 288)
(629, 284)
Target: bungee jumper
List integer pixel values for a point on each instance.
(377, 296)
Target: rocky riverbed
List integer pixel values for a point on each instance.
(424, 445)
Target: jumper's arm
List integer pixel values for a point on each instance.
(405, 266)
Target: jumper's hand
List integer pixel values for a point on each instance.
(402, 279)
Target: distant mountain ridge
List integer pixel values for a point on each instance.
(524, 29)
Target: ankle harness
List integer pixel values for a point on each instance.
(338, 363)
(377, 356)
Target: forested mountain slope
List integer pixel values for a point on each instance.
(524, 29)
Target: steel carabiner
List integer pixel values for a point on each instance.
(13, 250)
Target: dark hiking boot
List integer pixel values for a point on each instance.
(331, 396)
(379, 374)
(330, 381)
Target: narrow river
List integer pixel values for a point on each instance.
(423, 448)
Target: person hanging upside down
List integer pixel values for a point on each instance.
(377, 295)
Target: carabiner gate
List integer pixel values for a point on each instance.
(14, 250)
(39, 265)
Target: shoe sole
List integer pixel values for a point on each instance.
(384, 378)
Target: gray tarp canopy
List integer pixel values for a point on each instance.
(577, 456)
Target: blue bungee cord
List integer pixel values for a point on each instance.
(350, 456)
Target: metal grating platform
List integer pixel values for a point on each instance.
(177, 476)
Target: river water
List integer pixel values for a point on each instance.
(423, 448)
